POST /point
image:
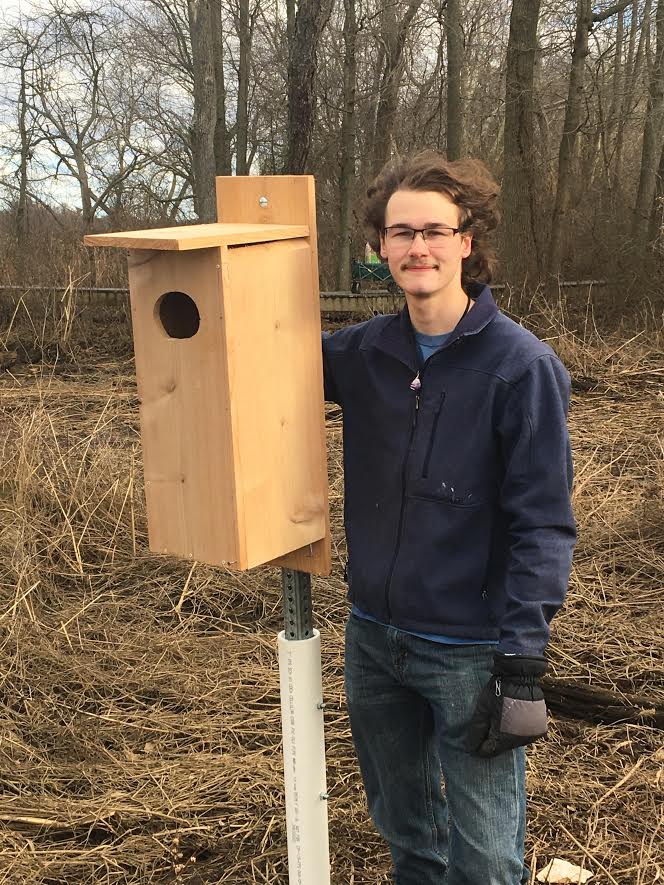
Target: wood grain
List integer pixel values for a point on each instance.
(273, 346)
(291, 200)
(232, 418)
(193, 509)
(197, 236)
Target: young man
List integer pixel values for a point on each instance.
(460, 533)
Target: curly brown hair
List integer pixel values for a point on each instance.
(468, 183)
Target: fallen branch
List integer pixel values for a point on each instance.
(596, 705)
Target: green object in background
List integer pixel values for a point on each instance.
(366, 271)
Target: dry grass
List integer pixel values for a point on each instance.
(139, 717)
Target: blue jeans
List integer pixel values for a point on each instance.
(409, 701)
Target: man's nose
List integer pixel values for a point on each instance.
(418, 245)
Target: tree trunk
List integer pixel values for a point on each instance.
(290, 25)
(656, 226)
(347, 176)
(371, 119)
(394, 36)
(521, 247)
(222, 151)
(634, 55)
(204, 123)
(454, 33)
(310, 20)
(244, 34)
(568, 143)
(24, 159)
(87, 212)
(617, 79)
(425, 111)
(653, 138)
(612, 123)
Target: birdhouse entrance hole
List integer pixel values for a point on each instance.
(178, 315)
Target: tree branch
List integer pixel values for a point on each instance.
(612, 10)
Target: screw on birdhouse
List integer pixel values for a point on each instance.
(262, 202)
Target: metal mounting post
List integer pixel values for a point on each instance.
(298, 622)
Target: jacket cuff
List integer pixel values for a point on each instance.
(519, 665)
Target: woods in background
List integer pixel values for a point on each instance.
(120, 114)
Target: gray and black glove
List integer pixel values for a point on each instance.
(510, 711)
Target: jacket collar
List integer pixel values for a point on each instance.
(396, 337)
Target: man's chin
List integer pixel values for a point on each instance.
(420, 293)
(419, 285)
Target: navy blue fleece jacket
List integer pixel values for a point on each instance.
(457, 503)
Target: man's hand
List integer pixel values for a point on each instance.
(510, 711)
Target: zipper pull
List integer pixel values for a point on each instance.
(417, 406)
(416, 385)
(498, 687)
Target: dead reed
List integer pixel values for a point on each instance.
(139, 699)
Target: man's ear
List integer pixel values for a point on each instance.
(383, 251)
(466, 245)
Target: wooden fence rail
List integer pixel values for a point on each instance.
(370, 301)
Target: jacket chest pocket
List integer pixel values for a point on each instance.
(433, 430)
(445, 467)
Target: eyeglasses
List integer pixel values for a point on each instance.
(400, 234)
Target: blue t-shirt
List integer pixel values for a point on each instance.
(426, 345)
(432, 637)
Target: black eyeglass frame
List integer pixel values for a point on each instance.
(423, 230)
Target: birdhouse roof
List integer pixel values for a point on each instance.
(198, 236)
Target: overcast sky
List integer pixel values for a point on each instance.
(12, 5)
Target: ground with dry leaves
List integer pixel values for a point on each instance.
(139, 698)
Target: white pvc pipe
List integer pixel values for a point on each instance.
(304, 760)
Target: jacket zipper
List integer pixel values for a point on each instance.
(404, 467)
(425, 470)
(416, 386)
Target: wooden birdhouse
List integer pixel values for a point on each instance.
(226, 324)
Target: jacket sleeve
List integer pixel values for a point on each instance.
(331, 390)
(535, 498)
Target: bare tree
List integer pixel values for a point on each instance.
(653, 136)
(574, 114)
(347, 168)
(454, 33)
(222, 147)
(394, 33)
(521, 249)
(161, 30)
(630, 94)
(291, 7)
(573, 117)
(310, 20)
(17, 52)
(73, 104)
(201, 25)
(129, 108)
(244, 17)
